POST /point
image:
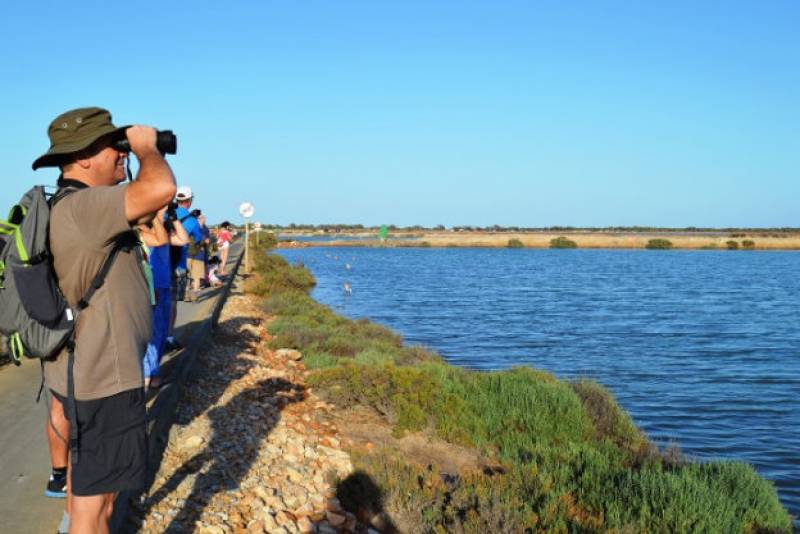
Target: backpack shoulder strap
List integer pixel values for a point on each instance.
(66, 186)
(83, 303)
(100, 277)
(97, 282)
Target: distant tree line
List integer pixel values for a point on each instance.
(337, 228)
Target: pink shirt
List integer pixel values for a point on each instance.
(223, 236)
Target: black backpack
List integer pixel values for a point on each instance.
(34, 315)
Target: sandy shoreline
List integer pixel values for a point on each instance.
(680, 240)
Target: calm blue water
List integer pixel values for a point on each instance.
(701, 347)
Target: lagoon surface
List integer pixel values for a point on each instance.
(701, 347)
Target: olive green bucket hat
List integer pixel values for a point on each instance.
(74, 131)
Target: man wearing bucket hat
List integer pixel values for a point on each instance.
(112, 332)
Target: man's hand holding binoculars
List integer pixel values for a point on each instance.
(142, 141)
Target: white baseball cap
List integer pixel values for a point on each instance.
(184, 193)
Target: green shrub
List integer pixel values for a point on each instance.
(732, 245)
(710, 246)
(275, 275)
(266, 240)
(562, 242)
(659, 244)
(748, 244)
(415, 354)
(319, 361)
(425, 244)
(585, 491)
(610, 420)
(403, 394)
(712, 497)
(515, 243)
(510, 413)
(476, 503)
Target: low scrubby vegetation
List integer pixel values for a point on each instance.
(748, 244)
(659, 244)
(515, 243)
(564, 457)
(562, 242)
(732, 245)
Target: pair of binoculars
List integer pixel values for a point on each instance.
(166, 143)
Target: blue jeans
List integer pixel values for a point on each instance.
(162, 313)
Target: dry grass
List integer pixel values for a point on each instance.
(584, 240)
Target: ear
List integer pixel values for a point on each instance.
(84, 163)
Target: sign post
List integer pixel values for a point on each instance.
(257, 228)
(247, 210)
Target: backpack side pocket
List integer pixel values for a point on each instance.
(38, 293)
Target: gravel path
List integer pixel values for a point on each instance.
(252, 450)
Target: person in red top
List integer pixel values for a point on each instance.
(224, 244)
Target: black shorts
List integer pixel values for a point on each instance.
(112, 448)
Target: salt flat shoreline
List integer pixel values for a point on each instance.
(591, 240)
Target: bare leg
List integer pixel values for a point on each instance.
(57, 434)
(90, 514)
(195, 287)
(57, 430)
(223, 260)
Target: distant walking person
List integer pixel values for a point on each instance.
(224, 239)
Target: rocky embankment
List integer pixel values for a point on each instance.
(253, 449)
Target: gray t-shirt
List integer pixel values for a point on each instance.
(112, 333)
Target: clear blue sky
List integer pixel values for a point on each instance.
(497, 112)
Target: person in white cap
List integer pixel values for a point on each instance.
(191, 259)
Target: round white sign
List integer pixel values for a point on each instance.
(247, 210)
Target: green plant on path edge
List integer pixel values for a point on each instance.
(568, 457)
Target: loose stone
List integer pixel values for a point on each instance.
(254, 446)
